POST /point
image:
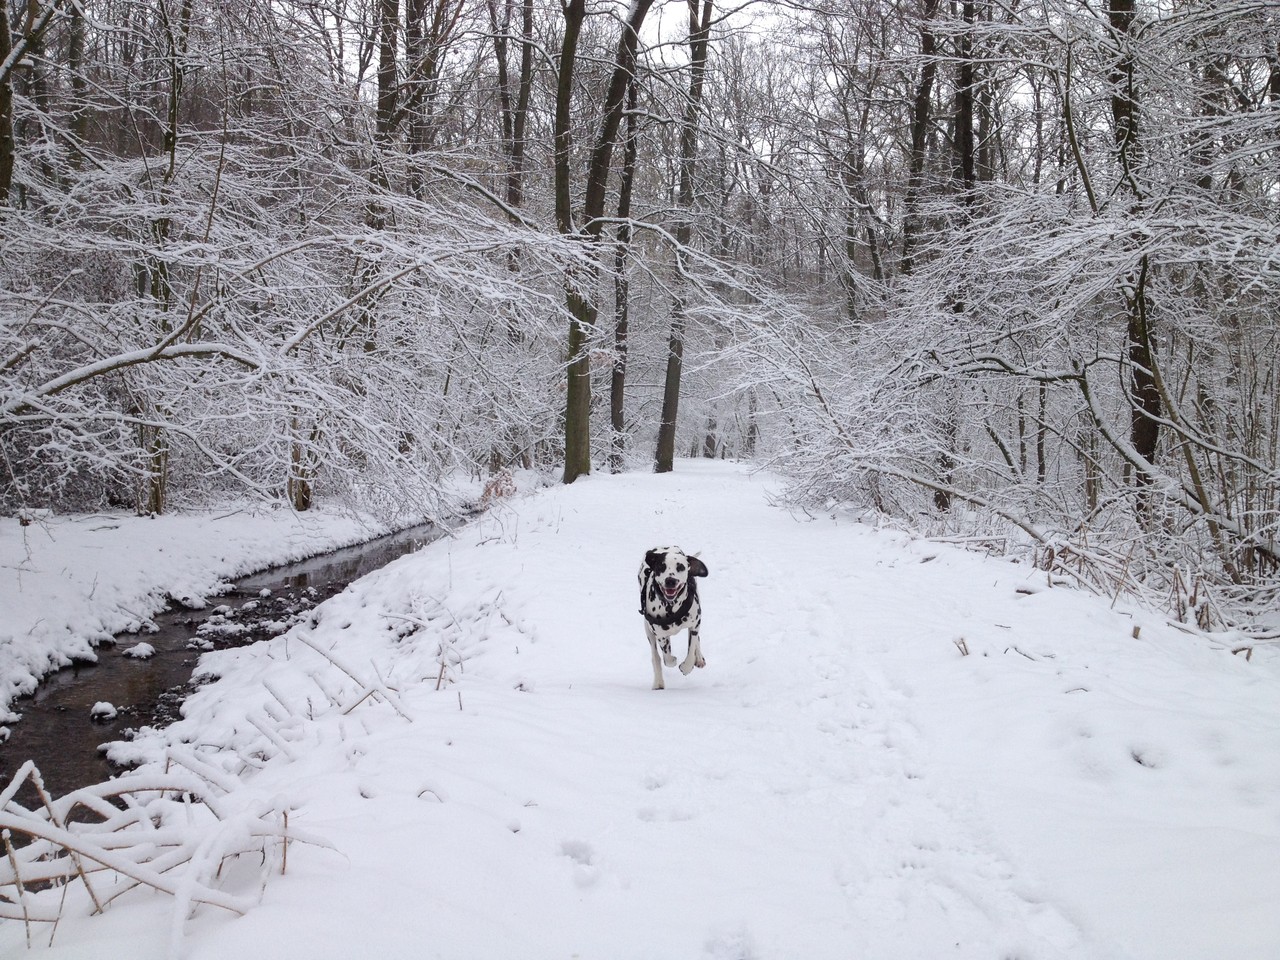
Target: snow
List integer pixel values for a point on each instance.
(472, 730)
(68, 584)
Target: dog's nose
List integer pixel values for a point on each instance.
(671, 581)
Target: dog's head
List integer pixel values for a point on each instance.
(671, 569)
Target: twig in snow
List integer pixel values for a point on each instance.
(37, 781)
(17, 879)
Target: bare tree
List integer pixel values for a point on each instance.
(579, 289)
(698, 40)
(921, 110)
(622, 288)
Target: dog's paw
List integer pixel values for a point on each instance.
(686, 668)
(658, 685)
(669, 659)
(700, 662)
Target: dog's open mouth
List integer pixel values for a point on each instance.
(671, 592)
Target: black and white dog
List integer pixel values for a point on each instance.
(669, 602)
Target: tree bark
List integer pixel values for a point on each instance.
(699, 35)
(920, 114)
(79, 88)
(574, 13)
(7, 146)
(514, 110)
(388, 90)
(1144, 393)
(966, 144)
(622, 293)
(582, 310)
(13, 50)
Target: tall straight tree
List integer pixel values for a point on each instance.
(1144, 394)
(965, 85)
(514, 110)
(16, 42)
(699, 34)
(579, 290)
(920, 116)
(622, 291)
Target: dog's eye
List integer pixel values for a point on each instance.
(679, 568)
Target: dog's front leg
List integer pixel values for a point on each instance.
(667, 658)
(657, 660)
(694, 657)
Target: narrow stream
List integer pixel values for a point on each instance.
(58, 730)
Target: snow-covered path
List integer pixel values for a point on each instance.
(839, 782)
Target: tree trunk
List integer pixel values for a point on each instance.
(515, 179)
(429, 30)
(155, 481)
(582, 310)
(300, 486)
(155, 444)
(574, 13)
(699, 34)
(966, 145)
(417, 89)
(376, 215)
(14, 49)
(514, 111)
(664, 461)
(388, 28)
(920, 113)
(622, 293)
(7, 147)
(1144, 394)
(1042, 432)
(79, 88)
(753, 425)
(577, 422)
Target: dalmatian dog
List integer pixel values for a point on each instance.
(669, 603)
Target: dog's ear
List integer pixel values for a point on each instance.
(697, 568)
(654, 559)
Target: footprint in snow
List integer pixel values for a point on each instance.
(675, 814)
(579, 851)
(585, 873)
(656, 779)
(734, 945)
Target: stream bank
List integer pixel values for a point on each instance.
(59, 729)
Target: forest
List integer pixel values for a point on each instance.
(1005, 272)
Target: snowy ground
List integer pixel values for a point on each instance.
(67, 583)
(839, 782)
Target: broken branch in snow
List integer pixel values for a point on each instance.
(377, 688)
(142, 833)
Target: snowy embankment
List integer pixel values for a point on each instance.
(68, 583)
(472, 730)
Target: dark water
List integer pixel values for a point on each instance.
(57, 730)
